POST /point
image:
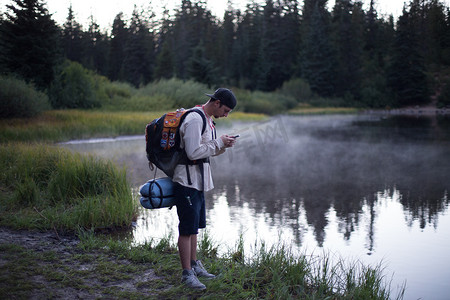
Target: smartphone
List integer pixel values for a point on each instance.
(236, 136)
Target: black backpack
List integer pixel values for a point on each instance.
(162, 139)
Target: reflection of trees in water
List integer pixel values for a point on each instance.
(284, 205)
(334, 171)
(424, 208)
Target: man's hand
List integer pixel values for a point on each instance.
(228, 141)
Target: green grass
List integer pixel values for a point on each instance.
(308, 110)
(47, 187)
(269, 273)
(64, 125)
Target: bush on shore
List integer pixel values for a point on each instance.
(19, 99)
(73, 87)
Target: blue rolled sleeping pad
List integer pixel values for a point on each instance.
(157, 193)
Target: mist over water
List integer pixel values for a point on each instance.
(369, 187)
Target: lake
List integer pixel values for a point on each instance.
(371, 187)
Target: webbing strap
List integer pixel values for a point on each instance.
(188, 174)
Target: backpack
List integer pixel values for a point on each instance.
(162, 138)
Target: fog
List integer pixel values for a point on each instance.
(342, 161)
(370, 186)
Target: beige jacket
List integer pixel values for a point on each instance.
(198, 146)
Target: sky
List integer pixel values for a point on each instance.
(104, 11)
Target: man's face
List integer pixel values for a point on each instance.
(221, 110)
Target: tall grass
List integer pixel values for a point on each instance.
(47, 187)
(63, 125)
(268, 273)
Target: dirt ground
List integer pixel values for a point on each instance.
(83, 282)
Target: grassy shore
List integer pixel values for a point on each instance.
(45, 187)
(63, 125)
(323, 110)
(59, 193)
(40, 266)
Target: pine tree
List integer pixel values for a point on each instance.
(199, 67)
(139, 51)
(317, 58)
(348, 41)
(164, 62)
(376, 47)
(246, 48)
(30, 42)
(436, 27)
(406, 77)
(279, 44)
(193, 23)
(96, 46)
(227, 41)
(72, 35)
(119, 36)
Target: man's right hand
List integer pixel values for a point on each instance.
(228, 141)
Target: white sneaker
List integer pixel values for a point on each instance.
(198, 268)
(190, 280)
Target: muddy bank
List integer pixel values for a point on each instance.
(43, 265)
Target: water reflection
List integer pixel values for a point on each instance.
(370, 187)
(324, 165)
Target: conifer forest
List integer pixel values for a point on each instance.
(347, 52)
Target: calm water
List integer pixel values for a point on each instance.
(370, 188)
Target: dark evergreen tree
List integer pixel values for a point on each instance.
(200, 68)
(348, 28)
(227, 41)
(279, 44)
(139, 51)
(446, 40)
(377, 42)
(72, 37)
(96, 46)
(317, 57)
(164, 62)
(246, 48)
(119, 36)
(30, 42)
(436, 32)
(406, 77)
(193, 23)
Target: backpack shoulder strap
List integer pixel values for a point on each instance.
(200, 113)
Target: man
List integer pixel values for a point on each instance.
(194, 178)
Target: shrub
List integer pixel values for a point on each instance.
(444, 97)
(181, 93)
(73, 87)
(261, 102)
(298, 89)
(19, 99)
(119, 89)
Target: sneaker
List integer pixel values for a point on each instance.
(190, 280)
(200, 270)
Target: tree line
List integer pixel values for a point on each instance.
(347, 52)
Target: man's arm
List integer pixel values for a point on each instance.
(191, 134)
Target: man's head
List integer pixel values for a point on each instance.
(222, 102)
(225, 96)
